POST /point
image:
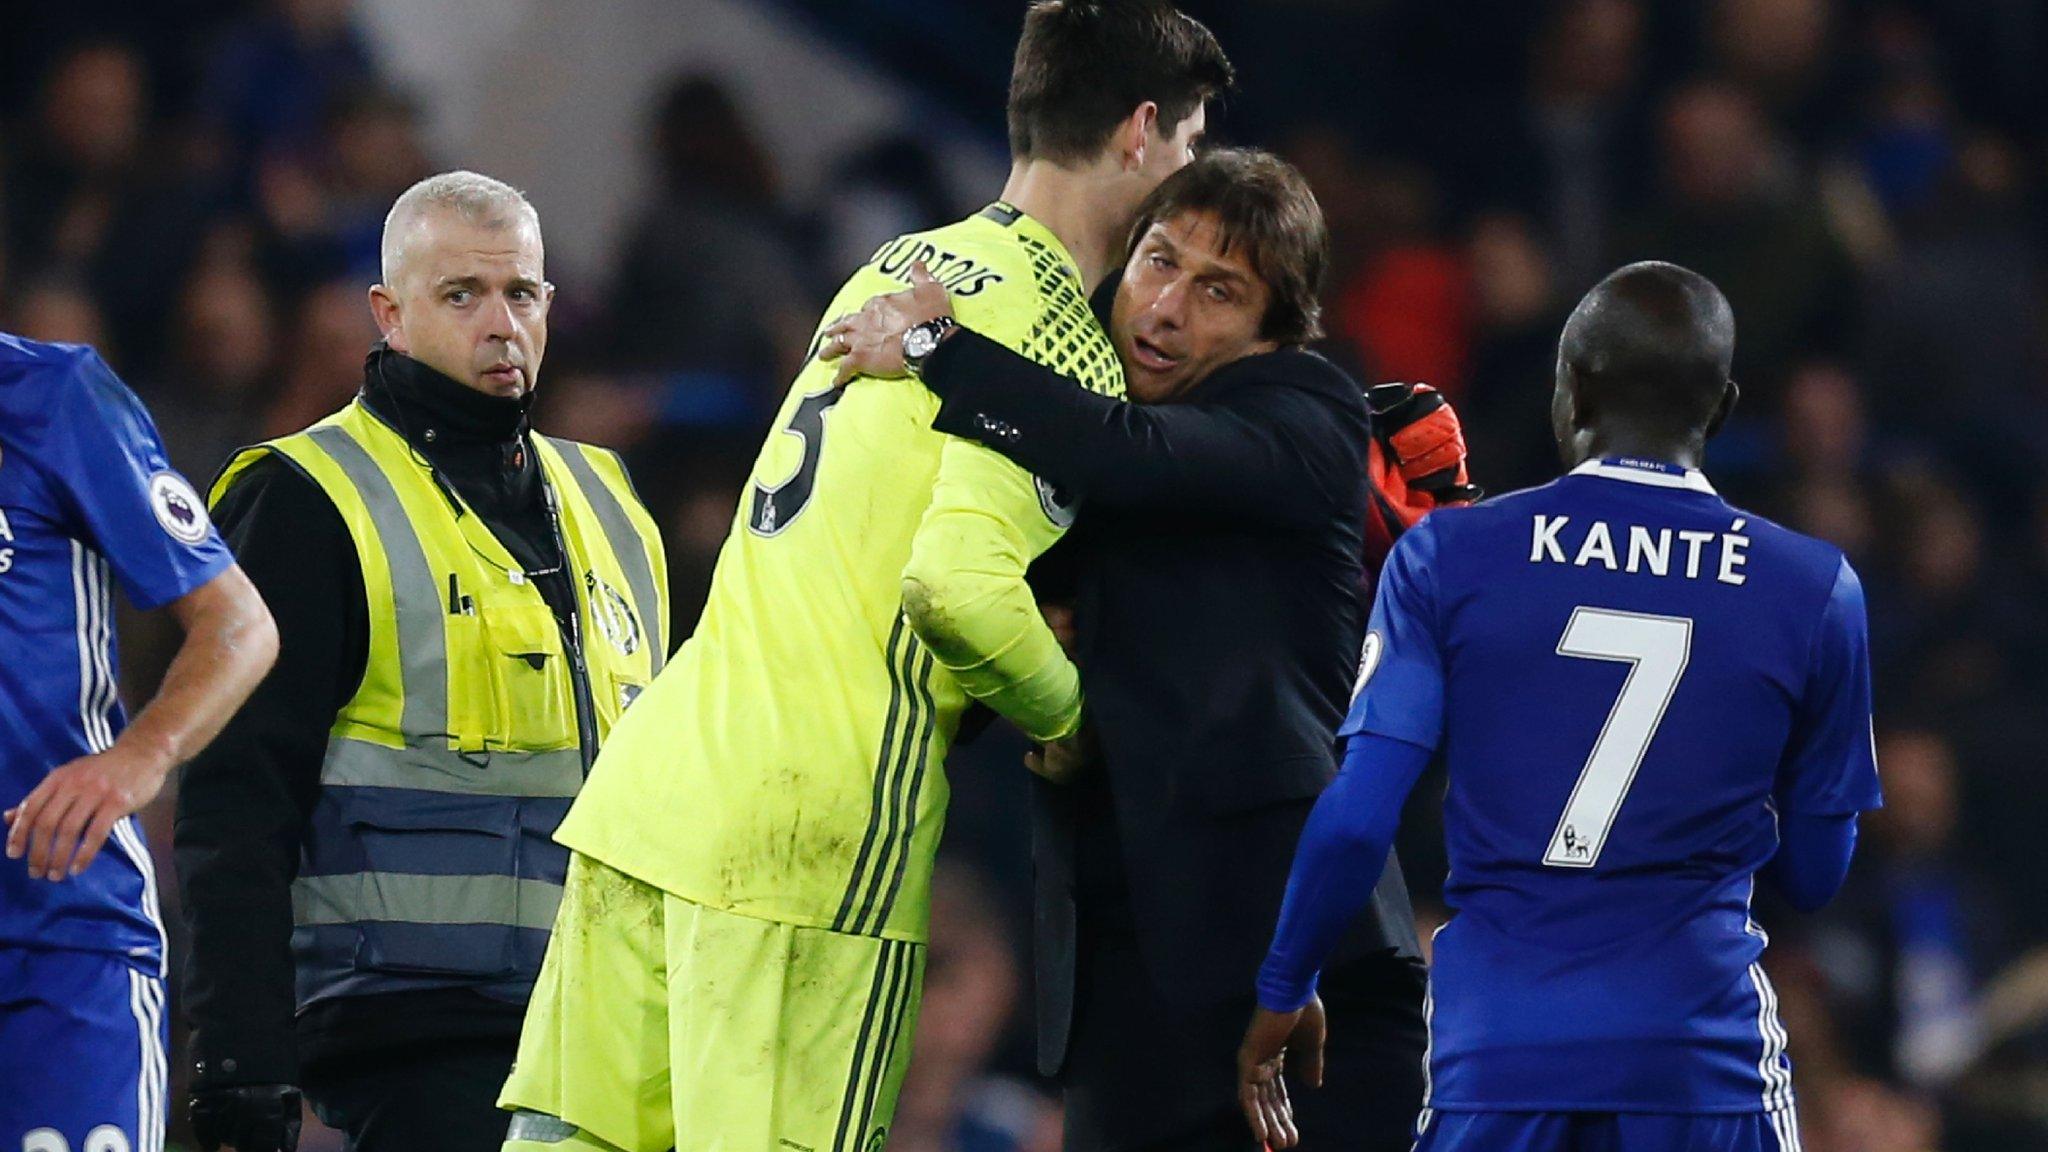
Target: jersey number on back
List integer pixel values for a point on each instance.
(772, 509)
(1656, 649)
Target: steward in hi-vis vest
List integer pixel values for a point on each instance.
(466, 609)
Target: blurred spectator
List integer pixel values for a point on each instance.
(373, 153)
(324, 206)
(1907, 944)
(1910, 143)
(1955, 348)
(1865, 1115)
(709, 276)
(1737, 213)
(323, 358)
(1781, 52)
(1517, 314)
(206, 399)
(1562, 154)
(1407, 308)
(695, 484)
(1822, 482)
(880, 191)
(60, 310)
(1931, 633)
(86, 197)
(972, 986)
(274, 75)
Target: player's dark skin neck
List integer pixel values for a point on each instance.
(1622, 438)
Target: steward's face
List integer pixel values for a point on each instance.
(472, 303)
(1186, 307)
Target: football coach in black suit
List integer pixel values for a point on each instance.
(1219, 600)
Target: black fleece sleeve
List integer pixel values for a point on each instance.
(243, 803)
(1274, 451)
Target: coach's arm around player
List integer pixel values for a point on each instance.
(1219, 557)
(230, 643)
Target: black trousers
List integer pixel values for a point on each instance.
(1144, 1075)
(427, 1098)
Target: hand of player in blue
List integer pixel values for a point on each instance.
(1268, 1042)
(870, 341)
(64, 823)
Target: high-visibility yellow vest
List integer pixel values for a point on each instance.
(429, 860)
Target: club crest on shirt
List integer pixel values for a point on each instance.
(1058, 508)
(178, 508)
(1368, 661)
(613, 614)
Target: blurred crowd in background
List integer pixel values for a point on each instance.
(197, 187)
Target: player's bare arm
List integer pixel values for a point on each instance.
(230, 643)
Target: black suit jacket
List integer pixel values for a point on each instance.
(1220, 604)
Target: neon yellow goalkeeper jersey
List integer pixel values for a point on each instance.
(787, 762)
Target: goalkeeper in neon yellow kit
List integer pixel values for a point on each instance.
(738, 955)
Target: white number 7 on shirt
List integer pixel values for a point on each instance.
(1656, 648)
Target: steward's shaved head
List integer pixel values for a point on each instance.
(1653, 342)
(465, 291)
(472, 196)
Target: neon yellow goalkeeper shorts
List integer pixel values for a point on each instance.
(657, 1023)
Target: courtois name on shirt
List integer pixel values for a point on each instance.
(960, 275)
(1640, 550)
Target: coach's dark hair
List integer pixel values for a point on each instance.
(1083, 65)
(1265, 204)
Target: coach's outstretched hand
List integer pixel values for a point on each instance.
(870, 342)
(1271, 1039)
(247, 1118)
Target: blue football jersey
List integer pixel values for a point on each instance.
(1628, 679)
(87, 500)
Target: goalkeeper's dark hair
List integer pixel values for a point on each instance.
(1653, 343)
(1083, 66)
(1263, 203)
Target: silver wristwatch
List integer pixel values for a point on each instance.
(923, 340)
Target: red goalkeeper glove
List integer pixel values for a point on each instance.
(1416, 464)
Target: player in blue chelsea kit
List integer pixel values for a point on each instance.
(1645, 697)
(88, 500)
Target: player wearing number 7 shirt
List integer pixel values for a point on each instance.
(1645, 697)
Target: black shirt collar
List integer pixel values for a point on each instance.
(432, 409)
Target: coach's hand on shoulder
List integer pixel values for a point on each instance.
(870, 342)
(247, 1118)
(1261, 1091)
(64, 823)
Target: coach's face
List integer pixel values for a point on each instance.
(1187, 306)
(468, 300)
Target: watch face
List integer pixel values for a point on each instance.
(919, 342)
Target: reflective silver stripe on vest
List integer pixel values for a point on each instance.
(358, 897)
(360, 763)
(416, 596)
(626, 545)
